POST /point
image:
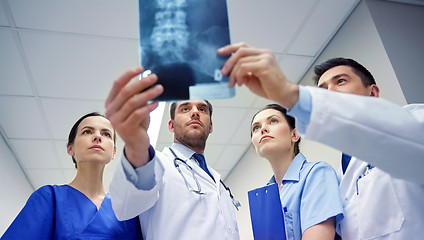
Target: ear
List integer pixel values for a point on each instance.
(70, 150)
(210, 128)
(171, 125)
(295, 137)
(374, 90)
(114, 153)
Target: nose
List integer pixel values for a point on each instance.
(264, 130)
(332, 87)
(97, 138)
(195, 113)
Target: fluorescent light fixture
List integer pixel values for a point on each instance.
(155, 121)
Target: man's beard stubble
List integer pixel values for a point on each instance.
(197, 141)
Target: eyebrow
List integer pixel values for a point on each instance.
(335, 77)
(183, 104)
(273, 115)
(91, 128)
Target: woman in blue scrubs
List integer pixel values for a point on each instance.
(82, 209)
(309, 191)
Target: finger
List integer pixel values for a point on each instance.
(136, 102)
(229, 49)
(126, 94)
(119, 83)
(140, 114)
(241, 53)
(244, 69)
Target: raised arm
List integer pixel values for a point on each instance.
(128, 109)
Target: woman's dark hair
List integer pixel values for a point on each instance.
(290, 120)
(363, 73)
(74, 129)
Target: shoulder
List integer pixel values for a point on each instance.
(318, 166)
(416, 109)
(45, 190)
(50, 192)
(319, 170)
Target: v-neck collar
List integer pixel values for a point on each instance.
(101, 204)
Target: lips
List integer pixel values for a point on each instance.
(264, 138)
(97, 147)
(195, 122)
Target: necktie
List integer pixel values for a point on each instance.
(345, 161)
(202, 163)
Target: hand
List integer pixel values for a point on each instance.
(128, 110)
(260, 72)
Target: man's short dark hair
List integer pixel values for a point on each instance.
(358, 69)
(174, 106)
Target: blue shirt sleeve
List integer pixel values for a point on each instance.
(302, 110)
(36, 219)
(142, 177)
(321, 197)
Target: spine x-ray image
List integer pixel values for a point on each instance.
(178, 42)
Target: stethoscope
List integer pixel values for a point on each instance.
(198, 189)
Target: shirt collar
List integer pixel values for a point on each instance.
(293, 172)
(185, 151)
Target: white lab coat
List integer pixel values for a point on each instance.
(169, 210)
(377, 205)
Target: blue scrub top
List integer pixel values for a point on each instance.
(63, 212)
(310, 195)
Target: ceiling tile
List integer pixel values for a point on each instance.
(225, 123)
(41, 177)
(271, 25)
(95, 17)
(20, 118)
(295, 66)
(63, 157)
(3, 18)
(230, 157)
(69, 66)
(13, 78)
(36, 153)
(325, 20)
(261, 102)
(243, 98)
(242, 133)
(212, 153)
(61, 114)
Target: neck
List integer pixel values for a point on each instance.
(280, 164)
(197, 149)
(89, 180)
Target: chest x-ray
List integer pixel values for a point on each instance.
(178, 42)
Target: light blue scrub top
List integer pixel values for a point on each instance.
(310, 195)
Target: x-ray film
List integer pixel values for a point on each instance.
(178, 42)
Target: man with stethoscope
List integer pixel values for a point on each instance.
(174, 192)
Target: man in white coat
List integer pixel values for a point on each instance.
(382, 188)
(174, 193)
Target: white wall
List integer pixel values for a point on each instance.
(401, 29)
(358, 39)
(13, 181)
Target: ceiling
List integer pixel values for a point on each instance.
(59, 58)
